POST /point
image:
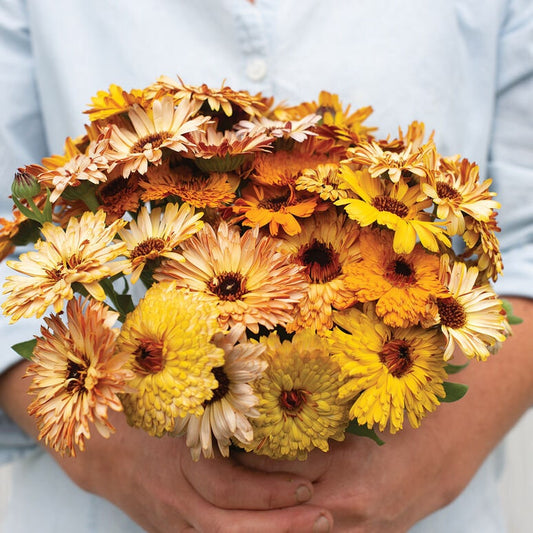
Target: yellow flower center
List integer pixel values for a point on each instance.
(229, 286)
(386, 203)
(396, 356)
(321, 261)
(447, 192)
(149, 357)
(400, 273)
(452, 313)
(293, 401)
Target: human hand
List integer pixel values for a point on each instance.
(155, 481)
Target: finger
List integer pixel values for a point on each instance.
(229, 485)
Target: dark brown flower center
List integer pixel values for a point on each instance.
(275, 203)
(396, 355)
(293, 401)
(228, 286)
(149, 248)
(55, 274)
(149, 357)
(223, 385)
(446, 191)
(76, 374)
(154, 139)
(400, 272)
(321, 261)
(452, 313)
(386, 203)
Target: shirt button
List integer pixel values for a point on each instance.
(256, 69)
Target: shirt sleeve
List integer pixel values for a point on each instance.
(22, 137)
(511, 156)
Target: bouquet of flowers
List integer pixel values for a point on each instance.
(298, 276)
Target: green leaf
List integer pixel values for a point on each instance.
(453, 391)
(511, 318)
(453, 369)
(25, 349)
(363, 431)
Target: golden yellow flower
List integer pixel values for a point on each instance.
(299, 405)
(168, 338)
(472, 317)
(112, 102)
(389, 373)
(322, 180)
(326, 247)
(81, 253)
(394, 205)
(404, 286)
(247, 277)
(162, 126)
(158, 234)
(274, 206)
(456, 191)
(76, 375)
(226, 414)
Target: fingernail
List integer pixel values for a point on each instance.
(321, 525)
(303, 494)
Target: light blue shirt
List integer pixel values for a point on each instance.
(463, 67)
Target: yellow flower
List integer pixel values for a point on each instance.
(168, 338)
(77, 375)
(226, 415)
(299, 407)
(153, 236)
(472, 317)
(164, 126)
(112, 102)
(394, 205)
(389, 373)
(322, 180)
(81, 253)
(247, 277)
(404, 286)
(326, 247)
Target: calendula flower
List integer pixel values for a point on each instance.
(325, 248)
(168, 338)
(456, 191)
(164, 126)
(404, 286)
(393, 164)
(119, 195)
(112, 102)
(89, 166)
(246, 277)
(480, 239)
(389, 373)
(472, 317)
(275, 207)
(322, 180)
(393, 205)
(9, 230)
(298, 130)
(77, 374)
(299, 407)
(82, 253)
(226, 414)
(157, 234)
(224, 101)
(215, 189)
(216, 151)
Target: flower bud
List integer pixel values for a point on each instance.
(25, 186)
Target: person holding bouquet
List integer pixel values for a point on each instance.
(466, 72)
